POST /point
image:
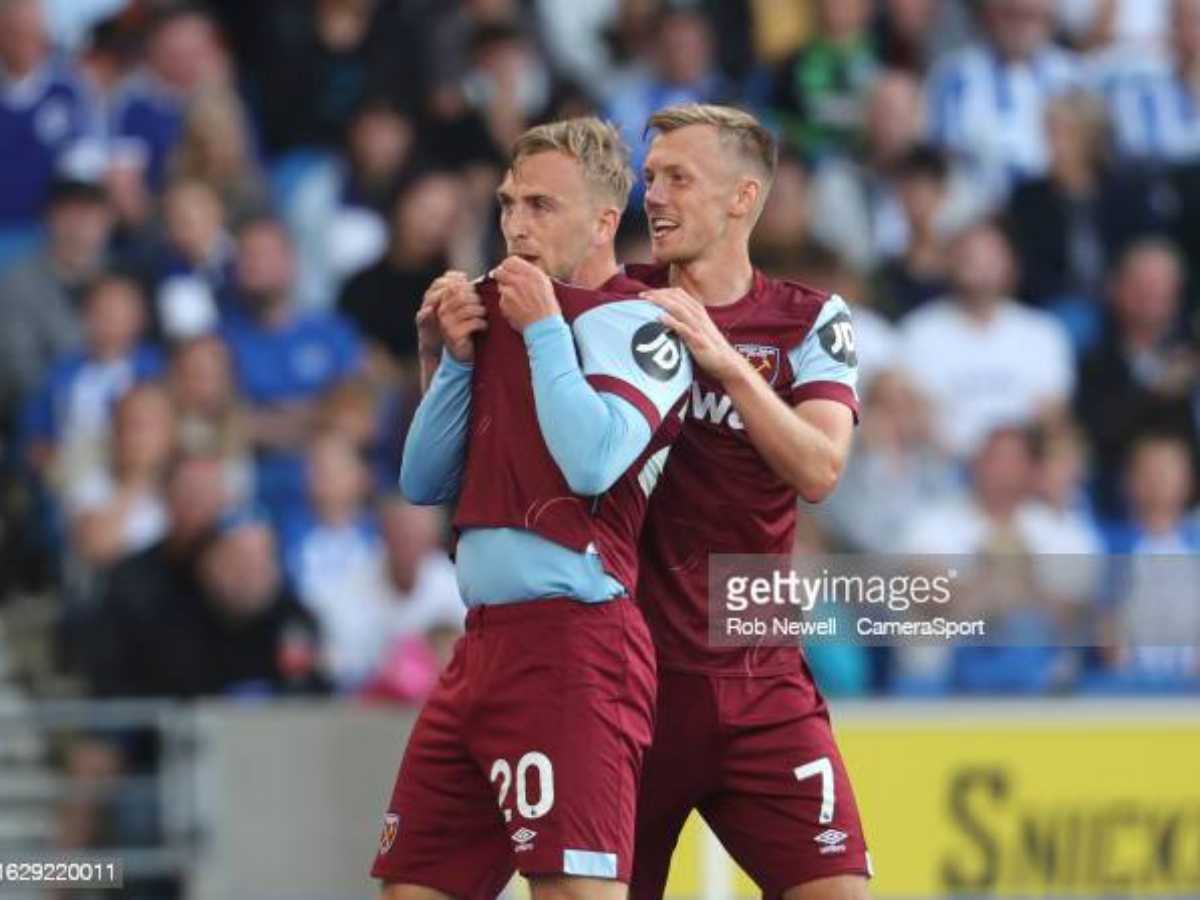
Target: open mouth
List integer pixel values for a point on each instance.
(661, 227)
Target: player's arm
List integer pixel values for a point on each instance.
(595, 417)
(436, 445)
(435, 449)
(806, 444)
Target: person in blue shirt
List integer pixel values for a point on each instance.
(44, 109)
(67, 420)
(1150, 617)
(182, 56)
(285, 360)
(683, 71)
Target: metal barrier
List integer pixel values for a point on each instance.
(40, 797)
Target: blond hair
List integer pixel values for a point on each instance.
(738, 131)
(596, 144)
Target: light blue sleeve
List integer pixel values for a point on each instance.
(435, 449)
(827, 354)
(593, 436)
(626, 350)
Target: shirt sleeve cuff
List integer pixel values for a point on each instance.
(826, 390)
(542, 328)
(450, 364)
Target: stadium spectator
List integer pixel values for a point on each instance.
(232, 628)
(333, 557)
(1143, 373)
(351, 410)
(184, 55)
(996, 361)
(1153, 616)
(508, 82)
(1068, 225)
(380, 148)
(1000, 526)
(284, 359)
(1152, 97)
(141, 586)
(1160, 483)
(911, 34)
(66, 424)
(44, 109)
(680, 69)
(781, 243)
(579, 41)
(894, 468)
(854, 202)
(216, 149)
(987, 101)
(340, 207)
(1059, 482)
(210, 419)
(424, 611)
(919, 273)
(69, 21)
(119, 509)
(820, 93)
(857, 208)
(1124, 29)
(420, 576)
(318, 62)
(40, 298)
(383, 300)
(199, 250)
(135, 236)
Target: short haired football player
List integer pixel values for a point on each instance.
(545, 419)
(742, 734)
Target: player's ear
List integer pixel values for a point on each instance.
(607, 223)
(745, 198)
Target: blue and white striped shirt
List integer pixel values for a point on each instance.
(991, 111)
(1155, 113)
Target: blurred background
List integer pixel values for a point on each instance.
(217, 220)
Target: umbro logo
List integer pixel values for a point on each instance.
(523, 837)
(831, 841)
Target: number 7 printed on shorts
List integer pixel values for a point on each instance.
(824, 768)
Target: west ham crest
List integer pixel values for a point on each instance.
(764, 359)
(391, 827)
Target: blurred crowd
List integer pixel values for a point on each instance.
(217, 222)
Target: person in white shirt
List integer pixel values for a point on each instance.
(980, 357)
(370, 578)
(1007, 556)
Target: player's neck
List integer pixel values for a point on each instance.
(716, 280)
(595, 271)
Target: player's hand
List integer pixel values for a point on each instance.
(526, 293)
(687, 317)
(429, 330)
(461, 315)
